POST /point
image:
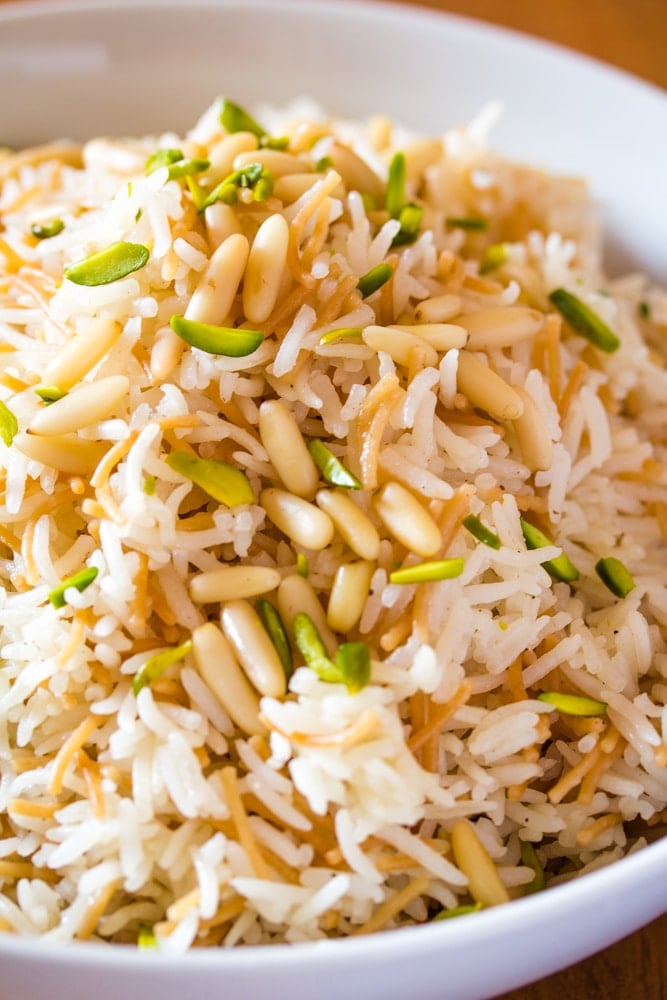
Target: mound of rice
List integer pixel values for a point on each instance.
(179, 765)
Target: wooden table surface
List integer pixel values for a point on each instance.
(632, 35)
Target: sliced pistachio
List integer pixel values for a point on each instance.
(561, 567)
(253, 176)
(353, 660)
(150, 483)
(396, 185)
(530, 859)
(108, 265)
(79, 580)
(480, 531)
(374, 279)
(9, 425)
(162, 158)
(425, 572)
(273, 624)
(458, 911)
(146, 938)
(584, 320)
(155, 666)
(222, 481)
(50, 393)
(615, 576)
(310, 645)
(45, 230)
(341, 333)
(472, 223)
(302, 567)
(493, 257)
(331, 467)
(573, 704)
(234, 118)
(410, 219)
(227, 341)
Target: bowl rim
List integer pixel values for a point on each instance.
(604, 883)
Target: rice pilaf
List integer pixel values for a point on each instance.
(333, 531)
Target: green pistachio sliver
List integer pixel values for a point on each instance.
(279, 142)
(234, 118)
(573, 704)
(150, 483)
(227, 341)
(80, 580)
(530, 859)
(353, 660)
(108, 265)
(615, 576)
(331, 467)
(493, 257)
(410, 219)
(374, 279)
(644, 310)
(199, 194)
(273, 624)
(9, 425)
(222, 481)
(310, 645)
(185, 168)
(162, 158)
(437, 569)
(50, 393)
(458, 911)
(248, 177)
(156, 666)
(480, 531)
(561, 567)
(146, 939)
(45, 230)
(302, 567)
(341, 333)
(472, 223)
(396, 185)
(584, 320)
(324, 163)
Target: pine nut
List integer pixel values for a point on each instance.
(254, 650)
(399, 344)
(286, 448)
(216, 289)
(532, 434)
(215, 661)
(406, 519)
(81, 353)
(221, 156)
(486, 390)
(474, 861)
(221, 222)
(356, 173)
(438, 309)
(229, 582)
(349, 592)
(302, 522)
(353, 525)
(275, 160)
(85, 406)
(66, 453)
(165, 354)
(292, 186)
(266, 265)
(501, 326)
(442, 336)
(295, 594)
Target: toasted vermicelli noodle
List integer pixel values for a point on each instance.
(333, 534)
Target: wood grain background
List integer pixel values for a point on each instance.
(632, 35)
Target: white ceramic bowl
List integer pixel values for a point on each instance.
(133, 66)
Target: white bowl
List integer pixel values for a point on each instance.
(128, 67)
